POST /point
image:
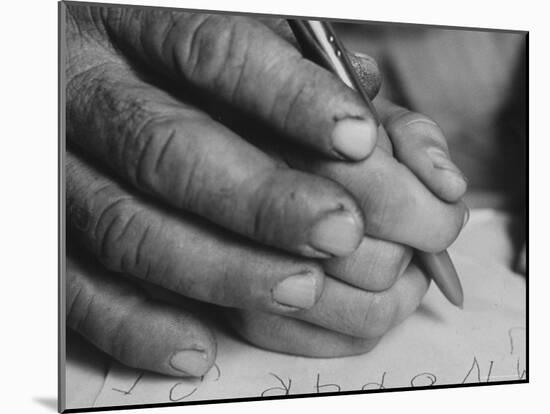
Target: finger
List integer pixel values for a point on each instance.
(419, 143)
(234, 58)
(374, 266)
(291, 336)
(356, 312)
(178, 153)
(364, 65)
(120, 320)
(367, 71)
(396, 206)
(181, 252)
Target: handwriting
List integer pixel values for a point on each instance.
(172, 395)
(475, 365)
(218, 372)
(424, 379)
(475, 371)
(284, 387)
(131, 388)
(318, 387)
(490, 370)
(377, 385)
(523, 373)
(478, 370)
(511, 336)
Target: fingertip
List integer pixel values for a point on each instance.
(193, 362)
(354, 139)
(450, 226)
(368, 72)
(452, 183)
(452, 186)
(421, 145)
(176, 343)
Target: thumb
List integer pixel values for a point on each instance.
(368, 72)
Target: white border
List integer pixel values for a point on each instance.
(29, 203)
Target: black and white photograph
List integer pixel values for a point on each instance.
(256, 207)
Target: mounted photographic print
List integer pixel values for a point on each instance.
(258, 207)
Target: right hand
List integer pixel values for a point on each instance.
(143, 166)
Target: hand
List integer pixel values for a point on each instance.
(144, 166)
(382, 285)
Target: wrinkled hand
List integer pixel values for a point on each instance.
(161, 187)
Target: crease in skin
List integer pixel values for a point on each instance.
(190, 59)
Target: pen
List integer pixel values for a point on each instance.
(320, 44)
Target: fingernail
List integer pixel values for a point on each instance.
(354, 138)
(441, 160)
(191, 362)
(296, 291)
(337, 234)
(466, 217)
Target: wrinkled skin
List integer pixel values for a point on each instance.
(207, 158)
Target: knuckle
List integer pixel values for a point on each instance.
(267, 209)
(170, 161)
(217, 46)
(386, 265)
(114, 232)
(147, 158)
(118, 115)
(376, 318)
(79, 302)
(196, 55)
(290, 98)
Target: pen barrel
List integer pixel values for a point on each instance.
(440, 268)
